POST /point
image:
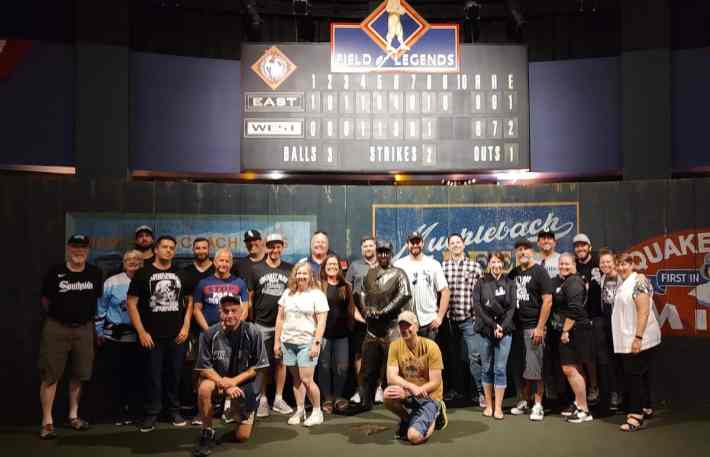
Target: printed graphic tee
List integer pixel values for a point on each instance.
(300, 309)
(72, 295)
(268, 285)
(414, 365)
(210, 290)
(160, 299)
(531, 284)
(426, 279)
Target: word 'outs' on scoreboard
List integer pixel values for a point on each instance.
(392, 93)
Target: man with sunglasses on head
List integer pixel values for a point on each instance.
(430, 290)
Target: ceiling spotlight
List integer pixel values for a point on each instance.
(472, 10)
(301, 7)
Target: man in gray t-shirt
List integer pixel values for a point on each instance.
(230, 354)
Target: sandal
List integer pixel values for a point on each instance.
(78, 424)
(341, 405)
(499, 418)
(488, 412)
(47, 432)
(633, 424)
(328, 407)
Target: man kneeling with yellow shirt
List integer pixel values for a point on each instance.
(415, 390)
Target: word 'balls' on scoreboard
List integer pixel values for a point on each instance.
(393, 93)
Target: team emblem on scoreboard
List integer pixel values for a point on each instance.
(394, 37)
(274, 67)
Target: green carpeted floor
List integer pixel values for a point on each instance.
(672, 434)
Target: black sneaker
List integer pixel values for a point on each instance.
(580, 416)
(442, 419)
(178, 420)
(568, 411)
(204, 445)
(148, 424)
(401, 433)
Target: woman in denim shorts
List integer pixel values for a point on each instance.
(300, 324)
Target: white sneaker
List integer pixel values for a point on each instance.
(281, 407)
(482, 401)
(297, 417)
(355, 398)
(580, 416)
(379, 395)
(520, 409)
(196, 421)
(316, 418)
(538, 413)
(227, 414)
(263, 409)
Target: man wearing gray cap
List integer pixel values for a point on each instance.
(385, 292)
(415, 391)
(144, 243)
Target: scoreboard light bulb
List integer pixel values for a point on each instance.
(398, 177)
(276, 175)
(249, 175)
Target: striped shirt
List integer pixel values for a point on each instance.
(462, 276)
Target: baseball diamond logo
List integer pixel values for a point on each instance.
(394, 37)
(273, 67)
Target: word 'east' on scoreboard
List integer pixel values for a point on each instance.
(308, 109)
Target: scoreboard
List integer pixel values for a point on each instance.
(304, 113)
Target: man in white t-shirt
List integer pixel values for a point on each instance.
(547, 257)
(430, 291)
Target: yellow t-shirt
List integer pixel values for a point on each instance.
(414, 365)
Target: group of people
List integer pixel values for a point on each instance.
(574, 322)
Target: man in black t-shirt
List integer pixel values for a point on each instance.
(69, 295)
(256, 253)
(588, 269)
(534, 298)
(162, 321)
(266, 283)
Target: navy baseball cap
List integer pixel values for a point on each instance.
(78, 239)
(251, 235)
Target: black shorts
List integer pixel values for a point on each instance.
(580, 346)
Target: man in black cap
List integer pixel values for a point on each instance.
(255, 253)
(69, 294)
(144, 242)
(385, 293)
(534, 296)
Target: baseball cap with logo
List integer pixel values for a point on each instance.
(409, 317)
(78, 239)
(581, 238)
(144, 228)
(523, 242)
(383, 245)
(274, 238)
(415, 236)
(251, 235)
(545, 234)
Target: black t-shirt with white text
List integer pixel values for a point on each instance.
(160, 299)
(592, 276)
(72, 295)
(531, 284)
(268, 284)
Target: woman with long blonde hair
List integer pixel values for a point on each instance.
(300, 324)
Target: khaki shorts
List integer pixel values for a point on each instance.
(59, 342)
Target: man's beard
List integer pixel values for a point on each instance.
(144, 248)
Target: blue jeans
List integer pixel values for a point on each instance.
(464, 350)
(494, 359)
(333, 367)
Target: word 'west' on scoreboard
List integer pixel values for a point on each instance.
(393, 93)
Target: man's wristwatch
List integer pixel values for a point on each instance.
(639, 337)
